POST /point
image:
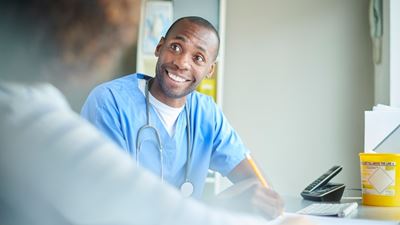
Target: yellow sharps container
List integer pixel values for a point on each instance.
(380, 179)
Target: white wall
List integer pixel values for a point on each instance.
(298, 77)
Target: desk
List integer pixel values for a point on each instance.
(293, 204)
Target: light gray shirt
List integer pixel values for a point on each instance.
(55, 168)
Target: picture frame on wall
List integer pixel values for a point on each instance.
(158, 16)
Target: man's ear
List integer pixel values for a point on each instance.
(211, 72)
(158, 47)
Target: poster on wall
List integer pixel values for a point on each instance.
(208, 86)
(157, 19)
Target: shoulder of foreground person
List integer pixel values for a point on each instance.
(55, 168)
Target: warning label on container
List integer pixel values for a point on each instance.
(378, 178)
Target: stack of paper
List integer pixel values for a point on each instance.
(382, 130)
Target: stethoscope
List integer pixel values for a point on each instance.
(187, 187)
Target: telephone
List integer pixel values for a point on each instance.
(322, 191)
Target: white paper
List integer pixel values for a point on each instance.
(382, 130)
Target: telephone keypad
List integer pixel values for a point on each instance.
(324, 178)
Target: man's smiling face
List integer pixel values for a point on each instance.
(185, 57)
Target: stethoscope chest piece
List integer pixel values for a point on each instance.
(187, 189)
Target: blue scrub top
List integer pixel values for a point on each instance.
(118, 108)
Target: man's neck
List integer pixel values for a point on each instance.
(156, 91)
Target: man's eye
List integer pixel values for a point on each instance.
(199, 58)
(175, 47)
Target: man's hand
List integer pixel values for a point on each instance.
(250, 196)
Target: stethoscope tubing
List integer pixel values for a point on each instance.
(148, 126)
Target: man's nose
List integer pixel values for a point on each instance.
(182, 61)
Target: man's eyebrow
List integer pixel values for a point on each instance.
(184, 39)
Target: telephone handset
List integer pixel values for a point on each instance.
(321, 190)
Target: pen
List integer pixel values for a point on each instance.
(348, 209)
(253, 165)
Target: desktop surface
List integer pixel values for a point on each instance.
(294, 204)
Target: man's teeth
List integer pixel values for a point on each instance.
(176, 78)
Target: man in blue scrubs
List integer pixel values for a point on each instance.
(194, 134)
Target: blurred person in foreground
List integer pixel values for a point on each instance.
(55, 168)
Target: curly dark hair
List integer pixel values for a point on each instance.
(75, 32)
